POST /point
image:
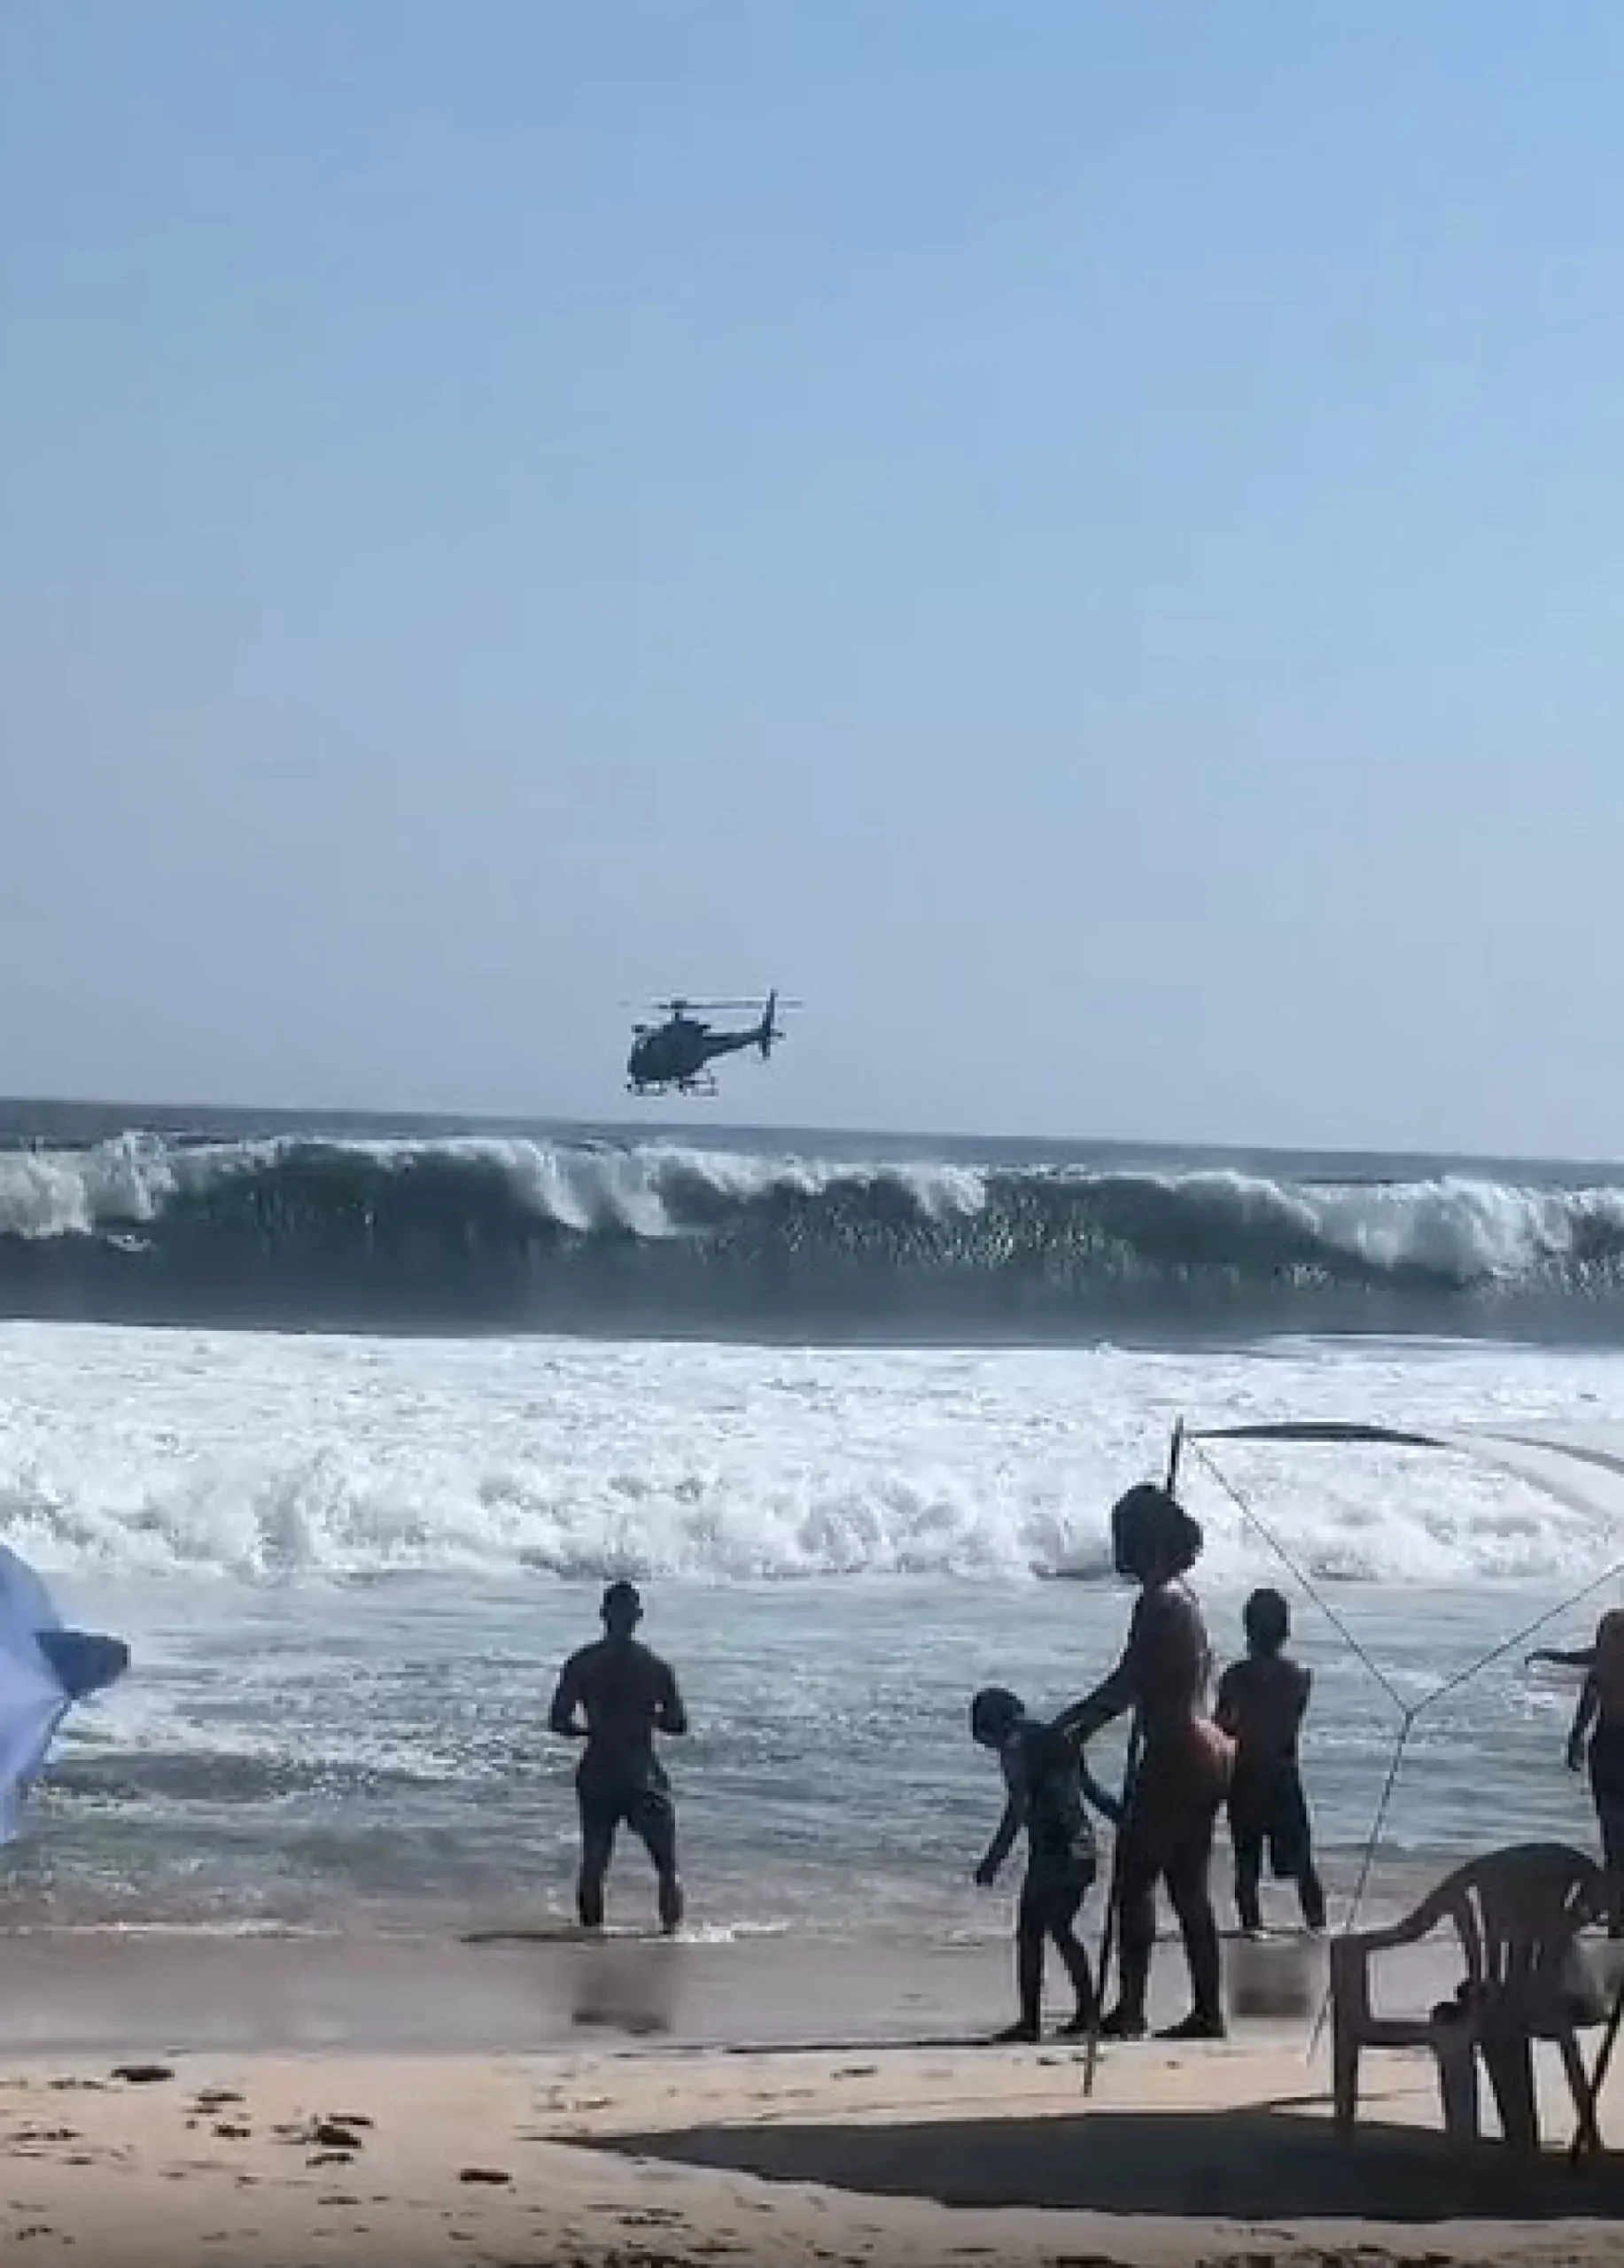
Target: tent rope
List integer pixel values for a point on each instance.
(1409, 1712)
(1253, 1518)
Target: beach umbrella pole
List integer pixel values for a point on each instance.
(1110, 1935)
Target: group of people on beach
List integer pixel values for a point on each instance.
(1186, 1765)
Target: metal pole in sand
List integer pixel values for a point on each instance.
(1110, 1935)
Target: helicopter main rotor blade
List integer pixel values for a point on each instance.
(682, 1000)
(747, 1007)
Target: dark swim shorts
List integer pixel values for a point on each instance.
(643, 1805)
(1268, 1810)
(1056, 1883)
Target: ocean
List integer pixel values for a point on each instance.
(343, 1425)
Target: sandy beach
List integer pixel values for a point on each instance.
(696, 2156)
(645, 2151)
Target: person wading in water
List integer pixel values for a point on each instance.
(1262, 1704)
(626, 1694)
(1182, 1772)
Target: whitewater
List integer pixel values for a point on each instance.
(266, 1458)
(344, 1427)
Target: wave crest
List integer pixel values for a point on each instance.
(484, 1231)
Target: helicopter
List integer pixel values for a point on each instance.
(672, 1057)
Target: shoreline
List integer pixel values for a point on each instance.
(520, 1994)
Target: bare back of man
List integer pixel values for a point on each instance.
(615, 1696)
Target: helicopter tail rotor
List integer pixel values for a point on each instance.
(769, 1031)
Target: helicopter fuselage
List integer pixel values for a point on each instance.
(675, 1054)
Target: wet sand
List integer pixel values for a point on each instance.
(106, 1991)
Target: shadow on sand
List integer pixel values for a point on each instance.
(1264, 2163)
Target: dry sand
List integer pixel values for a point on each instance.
(696, 2154)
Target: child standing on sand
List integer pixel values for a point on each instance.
(1047, 1784)
(1261, 1703)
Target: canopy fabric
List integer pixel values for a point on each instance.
(1582, 1468)
(34, 1698)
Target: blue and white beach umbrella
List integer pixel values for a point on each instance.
(44, 1668)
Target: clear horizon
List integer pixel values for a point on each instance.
(1084, 544)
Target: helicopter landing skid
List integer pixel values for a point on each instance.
(657, 1087)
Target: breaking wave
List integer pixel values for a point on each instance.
(481, 1233)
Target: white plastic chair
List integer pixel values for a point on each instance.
(1518, 1914)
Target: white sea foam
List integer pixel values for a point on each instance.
(263, 1455)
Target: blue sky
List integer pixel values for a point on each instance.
(1086, 540)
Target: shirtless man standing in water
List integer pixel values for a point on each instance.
(626, 1694)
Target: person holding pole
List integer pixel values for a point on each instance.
(1181, 1767)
